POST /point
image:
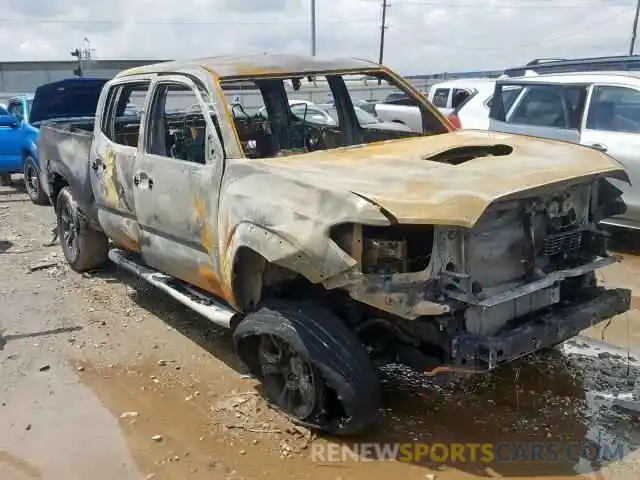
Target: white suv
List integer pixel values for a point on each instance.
(596, 109)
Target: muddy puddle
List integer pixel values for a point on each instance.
(153, 393)
(136, 422)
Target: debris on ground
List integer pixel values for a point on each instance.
(157, 438)
(45, 367)
(42, 266)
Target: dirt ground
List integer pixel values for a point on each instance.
(103, 377)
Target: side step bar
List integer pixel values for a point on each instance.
(206, 305)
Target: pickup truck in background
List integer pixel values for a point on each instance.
(399, 109)
(330, 249)
(58, 101)
(447, 97)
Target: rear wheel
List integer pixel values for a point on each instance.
(83, 247)
(312, 367)
(32, 182)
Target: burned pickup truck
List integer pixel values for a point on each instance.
(331, 249)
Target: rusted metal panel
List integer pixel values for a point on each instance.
(398, 176)
(257, 65)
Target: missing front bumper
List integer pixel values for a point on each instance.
(486, 352)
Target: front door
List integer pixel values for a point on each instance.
(176, 180)
(11, 156)
(613, 126)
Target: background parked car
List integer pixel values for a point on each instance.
(17, 137)
(326, 114)
(52, 102)
(367, 120)
(449, 95)
(473, 113)
(597, 109)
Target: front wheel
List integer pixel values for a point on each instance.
(83, 247)
(32, 182)
(312, 367)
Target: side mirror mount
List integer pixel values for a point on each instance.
(8, 121)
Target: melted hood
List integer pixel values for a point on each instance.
(405, 177)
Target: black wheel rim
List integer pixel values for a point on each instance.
(69, 229)
(289, 379)
(31, 180)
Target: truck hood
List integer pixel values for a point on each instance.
(413, 180)
(69, 98)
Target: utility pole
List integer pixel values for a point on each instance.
(313, 28)
(383, 27)
(635, 28)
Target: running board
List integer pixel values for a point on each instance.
(206, 305)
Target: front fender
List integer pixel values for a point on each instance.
(318, 262)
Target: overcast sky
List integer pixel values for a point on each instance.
(423, 36)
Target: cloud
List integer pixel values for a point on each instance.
(423, 36)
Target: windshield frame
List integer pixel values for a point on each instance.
(276, 93)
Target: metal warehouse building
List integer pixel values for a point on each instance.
(24, 77)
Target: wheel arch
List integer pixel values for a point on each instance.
(253, 250)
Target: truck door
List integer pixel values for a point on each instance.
(11, 138)
(113, 151)
(176, 178)
(612, 125)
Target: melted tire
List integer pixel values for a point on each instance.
(91, 246)
(350, 382)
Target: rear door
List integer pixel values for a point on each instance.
(113, 151)
(612, 125)
(176, 179)
(541, 110)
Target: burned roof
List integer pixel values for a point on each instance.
(252, 65)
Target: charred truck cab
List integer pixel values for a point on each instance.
(329, 247)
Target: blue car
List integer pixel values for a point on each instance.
(59, 101)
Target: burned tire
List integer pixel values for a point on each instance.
(83, 247)
(312, 367)
(32, 182)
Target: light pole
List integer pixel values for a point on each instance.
(313, 28)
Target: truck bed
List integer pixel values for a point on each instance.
(63, 149)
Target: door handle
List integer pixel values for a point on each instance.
(97, 163)
(599, 146)
(143, 179)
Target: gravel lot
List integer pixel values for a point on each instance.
(103, 377)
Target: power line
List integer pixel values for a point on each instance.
(173, 22)
(542, 5)
(579, 29)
